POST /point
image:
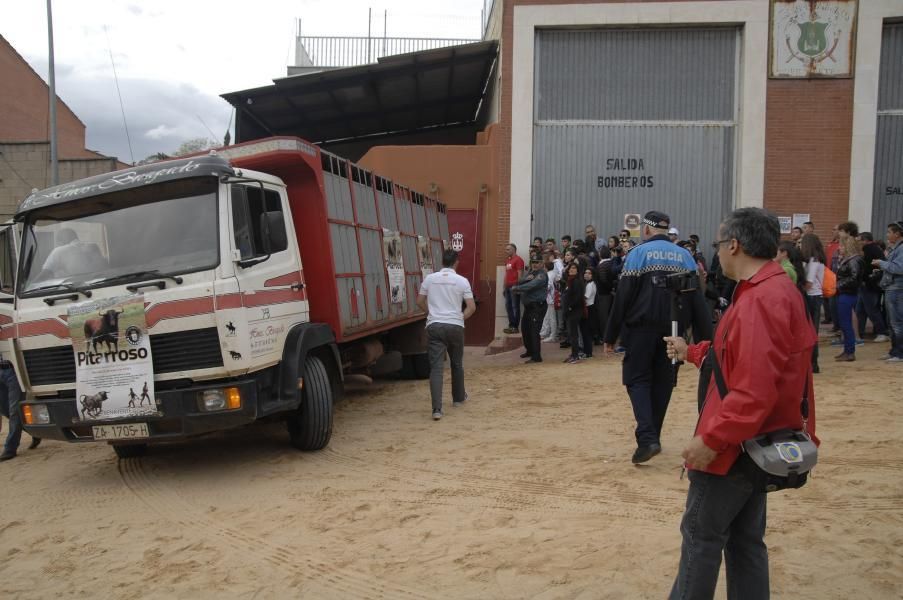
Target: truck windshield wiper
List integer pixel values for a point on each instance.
(136, 275)
(63, 287)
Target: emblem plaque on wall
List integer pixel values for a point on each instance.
(812, 38)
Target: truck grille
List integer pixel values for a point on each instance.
(179, 351)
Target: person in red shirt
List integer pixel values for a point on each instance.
(763, 344)
(514, 268)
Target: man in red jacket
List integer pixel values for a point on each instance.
(763, 344)
(514, 268)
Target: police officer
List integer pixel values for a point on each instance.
(641, 315)
(533, 289)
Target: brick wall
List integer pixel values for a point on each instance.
(24, 108)
(26, 166)
(808, 137)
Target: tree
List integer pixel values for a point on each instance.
(195, 145)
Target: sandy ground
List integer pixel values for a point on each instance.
(525, 492)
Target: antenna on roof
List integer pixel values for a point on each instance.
(121, 107)
(51, 101)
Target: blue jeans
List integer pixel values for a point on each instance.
(846, 303)
(10, 397)
(512, 307)
(723, 514)
(893, 301)
(869, 307)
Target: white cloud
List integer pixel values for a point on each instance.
(160, 132)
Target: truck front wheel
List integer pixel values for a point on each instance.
(310, 426)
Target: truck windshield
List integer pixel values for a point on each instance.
(165, 228)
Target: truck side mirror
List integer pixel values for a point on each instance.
(272, 232)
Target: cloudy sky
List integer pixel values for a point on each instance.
(175, 57)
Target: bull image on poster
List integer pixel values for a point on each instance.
(426, 256)
(394, 265)
(112, 358)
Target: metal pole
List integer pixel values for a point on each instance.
(369, 24)
(385, 28)
(51, 84)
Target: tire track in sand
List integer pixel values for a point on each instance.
(329, 578)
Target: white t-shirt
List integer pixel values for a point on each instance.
(590, 293)
(815, 274)
(554, 277)
(445, 292)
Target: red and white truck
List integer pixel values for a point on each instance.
(239, 285)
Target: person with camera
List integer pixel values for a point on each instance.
(763, 350)
(642, 316)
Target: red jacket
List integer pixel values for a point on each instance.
(764, 344)
(514, 268)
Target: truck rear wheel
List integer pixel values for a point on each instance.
(130, 450)
(310, 426)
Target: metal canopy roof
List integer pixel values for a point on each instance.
(401, 93)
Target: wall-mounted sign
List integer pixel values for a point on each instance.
(812, 38)
(625, 172)
(800, 218)
(632, 224)
(786, 224)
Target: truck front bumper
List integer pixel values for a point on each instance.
(178, 415)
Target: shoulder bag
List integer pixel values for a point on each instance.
(780, 459)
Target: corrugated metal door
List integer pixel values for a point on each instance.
(887, 205)
(632, 120)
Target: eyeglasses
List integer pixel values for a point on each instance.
(717, 243)
(624, 237)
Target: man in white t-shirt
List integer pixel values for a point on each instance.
(441, 296)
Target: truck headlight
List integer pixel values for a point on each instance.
(36, 414)
(219, 399)
(211, 400)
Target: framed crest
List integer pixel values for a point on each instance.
(812, 38)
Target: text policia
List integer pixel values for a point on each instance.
(624, 181)
(91, 358)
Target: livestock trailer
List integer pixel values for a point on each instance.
(205, 293)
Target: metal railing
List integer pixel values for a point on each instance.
(332, 52)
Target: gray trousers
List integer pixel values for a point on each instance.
(446, 338)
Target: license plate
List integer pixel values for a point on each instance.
(125, 431)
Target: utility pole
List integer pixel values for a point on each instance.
(51, 84)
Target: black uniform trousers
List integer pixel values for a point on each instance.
(530, 324)
(648, 375)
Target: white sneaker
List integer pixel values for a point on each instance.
(884, 356)
(881, 338)
(894, 359)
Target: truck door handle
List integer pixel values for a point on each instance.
(297, 286)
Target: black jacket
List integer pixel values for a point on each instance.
(849, 275)
(572, 296)
(871, 276)
(643, 301)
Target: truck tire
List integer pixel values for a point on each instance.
(310, 426)
(421, 364)
(130, 450)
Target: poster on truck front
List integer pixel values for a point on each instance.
(426, 256)
(394, 265)
(114, 373)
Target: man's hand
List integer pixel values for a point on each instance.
(677, 347)
(876, 263)
(697, 455)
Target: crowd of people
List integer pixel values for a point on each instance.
(581, 278)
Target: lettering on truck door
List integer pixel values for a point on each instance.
(273, 298)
